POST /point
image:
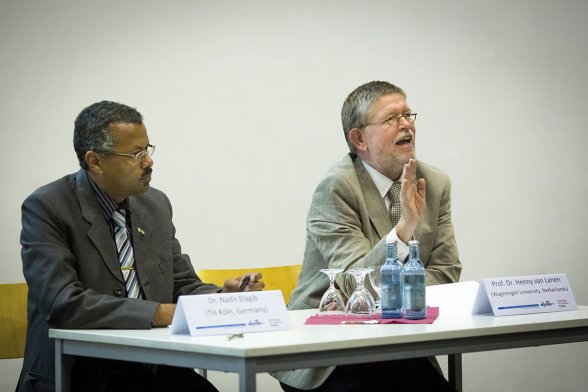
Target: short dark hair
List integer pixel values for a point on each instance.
(355, 110)
(91, 131)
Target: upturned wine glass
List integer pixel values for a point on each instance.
(376, 282)
(332, 300)
(361, 300)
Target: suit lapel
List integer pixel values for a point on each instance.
(139, 223)
(374, 203)
(142, 241)
(99, 232)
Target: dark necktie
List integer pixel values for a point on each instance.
(394, 197)
(126, 256)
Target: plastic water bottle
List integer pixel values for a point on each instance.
(391, 276)
(415, 303)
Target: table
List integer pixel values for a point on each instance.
(321, 345)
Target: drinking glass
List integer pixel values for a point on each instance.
(332, 300)
(361, 300)
(376, 282)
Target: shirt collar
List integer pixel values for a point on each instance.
(107, 205)
(382, 182)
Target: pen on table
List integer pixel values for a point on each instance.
(244, 283)
(360, 322)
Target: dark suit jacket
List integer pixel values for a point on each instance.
(71, 267)
(347, 226)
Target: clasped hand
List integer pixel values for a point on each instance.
(250, 281)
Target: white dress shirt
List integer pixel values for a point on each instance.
(383, 184)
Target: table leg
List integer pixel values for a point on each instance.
(247, 380)
(62, 368)
(202, 372)
(455, 369)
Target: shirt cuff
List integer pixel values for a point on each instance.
(401, 247)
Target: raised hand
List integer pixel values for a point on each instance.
(412, 200)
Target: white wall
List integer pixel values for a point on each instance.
(242, 100)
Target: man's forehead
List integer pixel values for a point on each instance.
(123, 124)
(131, 134)
(390, 102)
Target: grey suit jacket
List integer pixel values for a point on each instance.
(347, 226)
(71, 267)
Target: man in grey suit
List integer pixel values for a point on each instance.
(349, 223)
(99, 251)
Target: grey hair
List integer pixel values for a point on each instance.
(92, 132)
(355, 110)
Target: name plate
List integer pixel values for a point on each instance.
(230, 313)
(524, 294)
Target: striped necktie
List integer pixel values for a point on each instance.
(394, 197)
(126, 257)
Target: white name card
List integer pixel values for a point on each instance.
(230, 313)
(524, 294)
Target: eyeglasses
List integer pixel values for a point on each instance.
(138, 157)
(393, 120)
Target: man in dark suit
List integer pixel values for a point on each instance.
(349, 222)
(99, 251)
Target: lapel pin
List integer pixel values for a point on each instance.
(141, 231)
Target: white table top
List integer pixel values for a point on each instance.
(306, 338)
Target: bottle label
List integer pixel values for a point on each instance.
(414, 296)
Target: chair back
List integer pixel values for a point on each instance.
(13, 319)
(275, 278)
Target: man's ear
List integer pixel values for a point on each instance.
(356, 137)
(94, 162)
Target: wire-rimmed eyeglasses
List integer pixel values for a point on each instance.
(393, 120)
(138, 157)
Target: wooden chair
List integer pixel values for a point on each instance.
(282, 277)
(13, 319)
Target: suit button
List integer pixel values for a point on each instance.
(119, 292)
